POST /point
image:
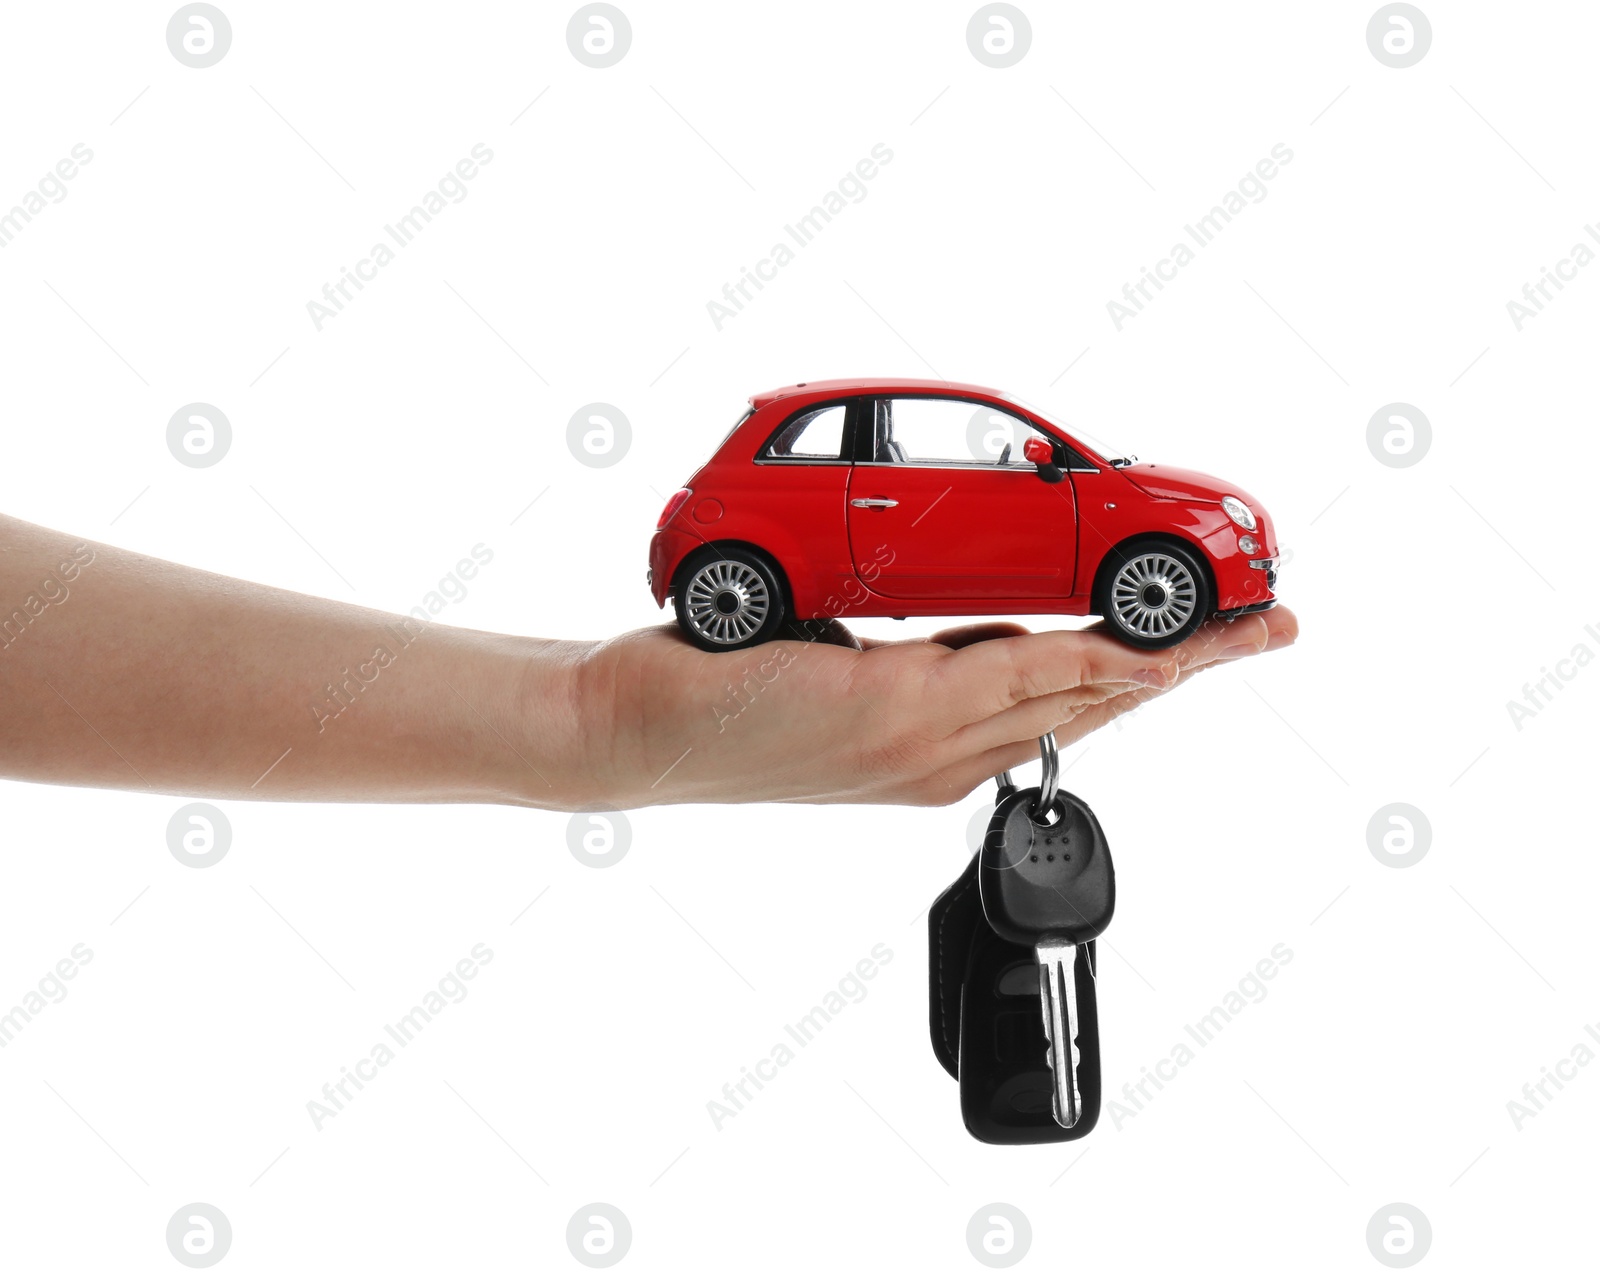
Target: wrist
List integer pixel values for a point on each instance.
(549, 728)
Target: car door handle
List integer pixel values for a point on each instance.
(874, 503)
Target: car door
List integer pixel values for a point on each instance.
(790, 501)
(945, 508)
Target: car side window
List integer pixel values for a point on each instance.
(996, 433)
(950, 431)
(817, 434)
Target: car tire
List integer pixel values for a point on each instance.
(729, 598)
(1153, 593)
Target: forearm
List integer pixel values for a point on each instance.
(121, 670)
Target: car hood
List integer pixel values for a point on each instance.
(1163, 481)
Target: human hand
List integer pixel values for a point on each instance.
(158, 677)
(919, 722)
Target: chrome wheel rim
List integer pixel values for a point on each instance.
(1154, 595)
(727, 601)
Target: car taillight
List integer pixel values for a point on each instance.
(674, 503)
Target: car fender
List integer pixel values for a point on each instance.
(810, 581)
(1204, 528)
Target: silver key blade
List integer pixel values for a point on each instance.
(1058, 998)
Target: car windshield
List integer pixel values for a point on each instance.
(1109, 451)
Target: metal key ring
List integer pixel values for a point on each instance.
(1049, 776)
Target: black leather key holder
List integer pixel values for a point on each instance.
(985, 1016)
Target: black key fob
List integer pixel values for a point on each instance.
(985, 1014)
(953, 923)
(1046, 879)
(1006, 1086)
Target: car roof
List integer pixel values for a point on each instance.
(870, 385)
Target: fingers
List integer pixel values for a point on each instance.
(822, 632)
(982, 680)
(979, 766)
(1249, 634)
(1088, 707)
(1035, 716)
(1100, 715)
(1015, 671)
(1222, 639)
(1280, 624)
(974, 771)
(1283, 628)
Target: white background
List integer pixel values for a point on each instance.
(1017, 203)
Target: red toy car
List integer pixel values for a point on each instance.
(844, 498)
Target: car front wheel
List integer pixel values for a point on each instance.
(1154, 594)
(728, 598)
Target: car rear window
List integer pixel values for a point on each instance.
(817, 434)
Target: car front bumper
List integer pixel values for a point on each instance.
(1269, 567)
(1227, 616)
(1245, 583)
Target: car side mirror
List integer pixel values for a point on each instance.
(1042, 455)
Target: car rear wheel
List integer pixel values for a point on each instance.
(1154, 594)
(728, 598)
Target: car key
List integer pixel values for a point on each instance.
(1046, 881)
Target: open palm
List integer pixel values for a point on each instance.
(820, 718)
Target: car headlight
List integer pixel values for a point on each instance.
(1237, 509)
(1248, 545)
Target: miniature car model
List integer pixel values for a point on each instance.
(842, 499)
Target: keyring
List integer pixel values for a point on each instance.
(1049, 776)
